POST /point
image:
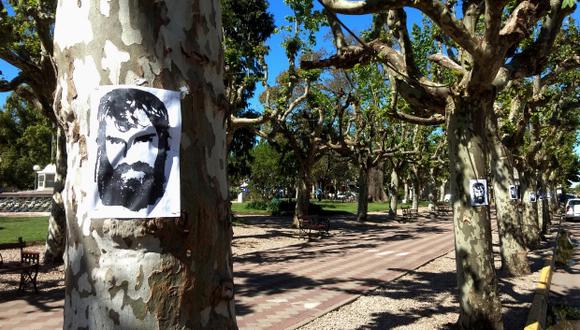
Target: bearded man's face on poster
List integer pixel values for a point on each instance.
(132, 141)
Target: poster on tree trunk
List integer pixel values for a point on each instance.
(514, 191)
(478, 192)
(133, 153)
(532, 197)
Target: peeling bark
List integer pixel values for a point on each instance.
(479, 299)
(530, 228)
(393, 189)
(163, 273)
(513, 250)
(56, 236)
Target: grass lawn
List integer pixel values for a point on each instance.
(31, 229)
(327, 206)
(242, 208)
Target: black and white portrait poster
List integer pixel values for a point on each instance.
(133, 150)
(514, 191)
(532, 197)
(478, 192)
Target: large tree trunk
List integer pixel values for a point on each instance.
(530, 229)
(363, 198)
(415, 188)
(480, 306)
(56, 236)
(303, 186)
(164, 273)
(393, 190)
(513, 251)
(376, 185)
(543, 207)
(442, 190)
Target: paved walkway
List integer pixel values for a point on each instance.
(565, 287)
(286, 287)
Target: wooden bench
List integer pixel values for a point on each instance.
(442, 208)
(27, 266)
(309, 225)
(409, 214)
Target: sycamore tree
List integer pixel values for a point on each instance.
(484, 49)
(26, 43)
(167, 273)
(25, 140)
(363, 132)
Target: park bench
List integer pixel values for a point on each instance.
(309, 225)
(409, 214)
(442, 208)
(27, 266)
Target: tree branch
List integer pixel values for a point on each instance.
(533, 59)
(12, 85)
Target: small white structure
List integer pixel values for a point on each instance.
(45, 178)
(244, 192)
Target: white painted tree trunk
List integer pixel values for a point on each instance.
(480, 306)
(162, 273)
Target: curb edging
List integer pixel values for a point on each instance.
(539, 309)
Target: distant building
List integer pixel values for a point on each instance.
(45, 178)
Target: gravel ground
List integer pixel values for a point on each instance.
(423, 299)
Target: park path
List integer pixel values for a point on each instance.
(286, 287)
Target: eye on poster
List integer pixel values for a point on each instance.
(478, 192)
(133, 153)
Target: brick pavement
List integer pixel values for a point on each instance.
(286, 287)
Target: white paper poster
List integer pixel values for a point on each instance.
(478, 192)
(532, 197)
(514, 192)
(133, 150)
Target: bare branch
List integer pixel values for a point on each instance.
(448, 63)
(297, 101)
(435, 119)
(339, 41)
(8, 86)
(437, 11)
(533, 59)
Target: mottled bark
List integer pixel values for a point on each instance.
(530, 228)
(161, 273)
(406, 192)
(415, 188)
(513, 250)
(480, 306)
(56, 236)
(393, 189)
(303, 185)
(442, 190)
(363, 198)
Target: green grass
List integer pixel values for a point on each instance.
(31, 229)
(242, 208)
(327, 206)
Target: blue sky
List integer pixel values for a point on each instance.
(276, 59)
